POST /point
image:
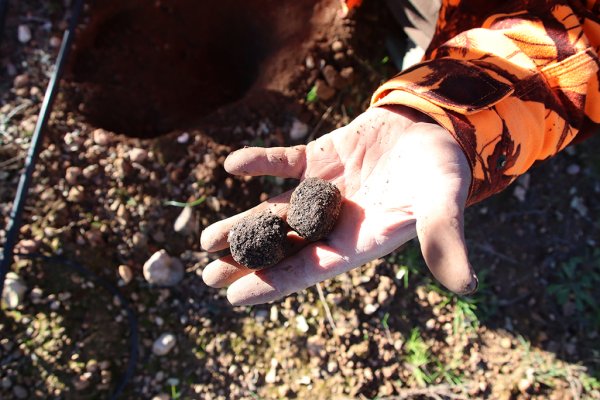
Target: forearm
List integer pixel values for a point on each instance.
(517, 90)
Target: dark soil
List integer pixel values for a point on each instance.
(258, 241)
(314, 208)
(145, 68)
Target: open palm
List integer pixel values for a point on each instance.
(400, 176)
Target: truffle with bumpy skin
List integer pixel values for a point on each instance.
(258, 240)
(314, 208)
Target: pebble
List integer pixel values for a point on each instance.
(183, 138)
(163, 270)
(125, 273)
(309, 62)
(164, 344)
(274, 314)
(337, 46)
(271, 376)
(6, 383)
(76, 194)
(23, 33)
(324, 91)
(299, 130)
(101, 137)
(578, 205)
(55, 41)
(573, 169)
(505, 343)
(520, 193)
(72, 174)
(20, 392)
(301, 324)
(20, 81)
(138, 155)
(371, 308)
(14, 290)
(161, 396)
(185, 221)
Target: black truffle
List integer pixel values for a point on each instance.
(258, 240)
(314, 208)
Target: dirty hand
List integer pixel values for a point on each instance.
(401, 176)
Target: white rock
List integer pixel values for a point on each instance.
(301, 324)
(299, 130)
(14, 290)
(274, 313)
(184, 222)
(137, 155)
(72, 174)
(101, 137)
(125, 273)
(520, 193)
(164, 344)
(23, 33)
(371, 308)
(183, 138)
(163, 270)
(271, 376)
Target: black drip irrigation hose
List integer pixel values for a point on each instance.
(15, 218)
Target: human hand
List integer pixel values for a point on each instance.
(400, 175)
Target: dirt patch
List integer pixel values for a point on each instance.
(144, 68)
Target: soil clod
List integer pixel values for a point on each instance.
(258, 241)
(314, 208)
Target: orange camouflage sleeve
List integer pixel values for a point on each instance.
(513, 81)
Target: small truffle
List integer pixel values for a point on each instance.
(314, 208)
(258, 240)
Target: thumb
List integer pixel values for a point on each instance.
(440, 228)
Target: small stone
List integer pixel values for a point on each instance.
(578, 205)
(137, 155)
(305, 380)
(347, 73)
(23, 33)
(185, 221)
(125, 273)
(520, 193)
(505, 343)
(430, 324)
(302, 324)
(271, 376)
(6, 383)
(55, 41)
(164, 344)
(163, 270)
(332, 366)
(573, 169)
(14, 290)
(20, 81)
(360, 350)
(183, 138)
(19, 392)
(371, 308)
(309, 62)
(90, 171)
(72, 174)
(332, 77)
(299, 130)
(27, 246)
(324, 91)
(76, 194)
(139, 240)
(101, 137)
(337, 46)
(274, 313)
(161, 396)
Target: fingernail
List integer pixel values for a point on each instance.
(473, 285)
